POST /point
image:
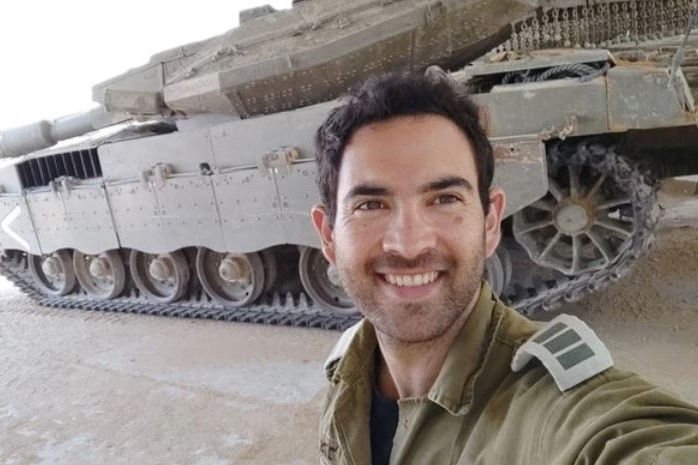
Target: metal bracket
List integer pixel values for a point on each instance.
(568, 128)
(282, 157)
(63, 185)
(342, 21)
(156, 176)
(435, 11)
(678, 56)
(484, 117)
(231, 50)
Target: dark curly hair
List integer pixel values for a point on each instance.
(390, 95)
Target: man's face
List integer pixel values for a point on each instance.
(410, 237)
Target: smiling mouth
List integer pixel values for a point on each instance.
(411, 280)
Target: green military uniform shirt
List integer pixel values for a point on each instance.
(480, 412)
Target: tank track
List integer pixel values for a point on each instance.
(289, 310)
(605, 159)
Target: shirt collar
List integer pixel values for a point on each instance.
(356, 358)
(454, 387)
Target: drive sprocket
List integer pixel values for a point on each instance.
(597, 219)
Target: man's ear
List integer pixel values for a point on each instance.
(323, 227)
(493, 220)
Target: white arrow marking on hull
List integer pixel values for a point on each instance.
(5, 225)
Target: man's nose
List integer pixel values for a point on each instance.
(409, 233)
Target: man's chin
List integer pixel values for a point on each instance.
(410, 327)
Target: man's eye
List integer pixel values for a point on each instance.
(445, 198)
(370, 205)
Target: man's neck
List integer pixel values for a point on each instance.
(405, 369)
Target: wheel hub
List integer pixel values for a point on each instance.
(321, 281)
(333, 275)
(234, 271)
(99, 268)
(51, 268)
(572, 218)
(588, 217)
(159, 269)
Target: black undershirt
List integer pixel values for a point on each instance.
(384, 417)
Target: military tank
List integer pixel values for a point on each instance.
(187, 191)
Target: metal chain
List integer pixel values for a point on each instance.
(634, 22)
(545, 30)
(535, 33)
(576, 31)
(566, 28)
(557, 27)
(617, 23)
(672, 18)
(645, 21)
(600, 24)
(626, 24)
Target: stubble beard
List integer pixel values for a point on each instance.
(416, 322)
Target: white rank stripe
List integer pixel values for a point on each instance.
(568, 349)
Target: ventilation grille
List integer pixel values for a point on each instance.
(81, 164)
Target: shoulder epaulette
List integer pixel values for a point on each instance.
(569, 350)
(341, 346)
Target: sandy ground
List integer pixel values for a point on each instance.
(80, 387)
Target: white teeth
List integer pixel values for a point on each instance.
(411, 280)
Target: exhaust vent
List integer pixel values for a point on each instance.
(80, 164)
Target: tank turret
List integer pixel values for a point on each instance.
(278, 61)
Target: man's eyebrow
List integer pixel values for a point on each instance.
(447, 182)
(367, 190)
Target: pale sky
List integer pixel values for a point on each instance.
(53, 52)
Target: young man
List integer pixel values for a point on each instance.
(409, 218)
